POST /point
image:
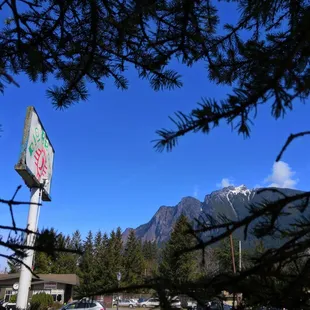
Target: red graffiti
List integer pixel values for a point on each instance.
(40, 157)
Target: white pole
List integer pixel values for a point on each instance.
(25, 273)
(240, 256)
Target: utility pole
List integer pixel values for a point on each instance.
(240, 256)
(233, 262)
(119, 277)
(232, 253)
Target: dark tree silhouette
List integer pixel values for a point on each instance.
(79, 41)
(46, 241)
(270, 64)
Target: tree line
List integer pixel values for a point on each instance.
(104, 255)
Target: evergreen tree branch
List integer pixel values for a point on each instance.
(289, 141)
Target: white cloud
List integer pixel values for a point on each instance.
(282, 176)
(225, 182)
(196, 192)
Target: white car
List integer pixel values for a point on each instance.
(191, 305)
(175, 303)
(150, 303)
(88, 304)
(125, 303)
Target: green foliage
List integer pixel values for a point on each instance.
(42, 263)
(223, 255)
(87, 266)
(179, 268)
(134, 264)
(56, 305)
(41, 301)
(14, 266)
(13, 298)
(64, 262)
(59, 262)
(151, 256)
(115, 259)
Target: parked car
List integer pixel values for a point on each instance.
(125, 303)
(150, 303)
(70, 305)
(10, 305)
(175, 303)
(211, 305)
(84, 304)
(227, 307)
(191, 305)
(140, 300)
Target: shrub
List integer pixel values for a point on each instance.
(13, 298)
(56, 305)
(41, 301)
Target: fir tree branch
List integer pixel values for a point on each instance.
(289, 141)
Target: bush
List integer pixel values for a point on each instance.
(41, 301)
(13, 298)
(56, 305)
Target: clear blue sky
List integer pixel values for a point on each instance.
(106, 172)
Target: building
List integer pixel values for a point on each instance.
(60, 286)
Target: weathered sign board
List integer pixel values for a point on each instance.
(35, 164)
(50, 285)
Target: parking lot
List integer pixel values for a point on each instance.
(125, 308)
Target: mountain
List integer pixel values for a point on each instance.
(230, 201)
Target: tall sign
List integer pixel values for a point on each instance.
(35, 164)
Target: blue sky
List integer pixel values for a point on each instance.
(106, 172)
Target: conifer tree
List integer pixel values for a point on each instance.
(115, 257)
(76, 243)
(150, 254)
(87, 267)
(179, 268)
(14, 266)
(64, 262)
(133, 261)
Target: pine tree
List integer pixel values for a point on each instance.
(76, 243)
(150, 254)
(14, 266)
(115, 258)
(223, 255)
(86, 270)
(179, 268)
(42, 263)
(99, 263)
(103, 263)
(133, 261)
(64, 262)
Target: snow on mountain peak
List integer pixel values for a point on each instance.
(231, 191)
(242, 189)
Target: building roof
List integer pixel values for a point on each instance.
(72, 279)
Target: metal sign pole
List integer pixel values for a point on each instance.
(25, 273)
(35, 166)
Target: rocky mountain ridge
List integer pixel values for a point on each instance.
(230, 201)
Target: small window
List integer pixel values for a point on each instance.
(8, 294)
(92, 305)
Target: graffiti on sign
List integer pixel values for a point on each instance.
(36, 161)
